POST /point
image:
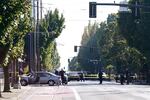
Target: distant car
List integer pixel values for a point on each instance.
(40, 77)
(73, 76)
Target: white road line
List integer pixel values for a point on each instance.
(77, 96)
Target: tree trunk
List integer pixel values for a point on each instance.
(3, 51)
(6, 79)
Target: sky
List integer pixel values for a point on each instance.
(76, 14)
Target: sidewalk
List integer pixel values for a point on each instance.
(14, 94)
(39, 93)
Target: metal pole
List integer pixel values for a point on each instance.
(123, 5)
(37, 39)
(34, 37)
(41, 8)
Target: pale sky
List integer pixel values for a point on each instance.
(76, 16)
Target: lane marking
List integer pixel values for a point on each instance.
(77, 96)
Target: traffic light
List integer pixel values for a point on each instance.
(69, 61)
(75, 48)
(92, 9)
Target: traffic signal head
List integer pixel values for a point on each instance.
(68, 60)
(92, 9)
(75, 48)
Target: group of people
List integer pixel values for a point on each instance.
(61, 73)
(100, 76)
(123, 77)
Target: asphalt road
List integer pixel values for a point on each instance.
(89, 90)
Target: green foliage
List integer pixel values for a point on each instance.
(14, 24)
(88, 51)
(74, 65)
(50, 28)
(10, 14)
(111, 47)
(115, 48)
(137, 32)
(51, 57)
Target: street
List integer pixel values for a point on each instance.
(88, 90)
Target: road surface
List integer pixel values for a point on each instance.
(88, 90)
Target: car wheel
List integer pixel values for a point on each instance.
(51, 83)
(23, 82)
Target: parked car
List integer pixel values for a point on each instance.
(73, 76)
(40, 77)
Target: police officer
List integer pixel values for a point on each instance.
(100, 75)
(122, 79)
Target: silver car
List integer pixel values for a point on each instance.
(41, 78)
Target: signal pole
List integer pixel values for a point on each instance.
(92, 7)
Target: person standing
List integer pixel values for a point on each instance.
(122, 79)
(62, 74)
(82, 77)
(127, 76)
(100, 76)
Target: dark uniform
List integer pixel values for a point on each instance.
(100, 75)
(122, 79)
(81, 77)
(62, 74)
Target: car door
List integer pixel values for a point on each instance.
(43, 77)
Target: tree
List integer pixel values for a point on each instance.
(50, 27)
(14, 24)
(73, 64)
(137, 32)
(88, 50)
(110, 47)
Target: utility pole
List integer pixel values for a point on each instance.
(41, 8)
(37, 38)
(34, 43)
